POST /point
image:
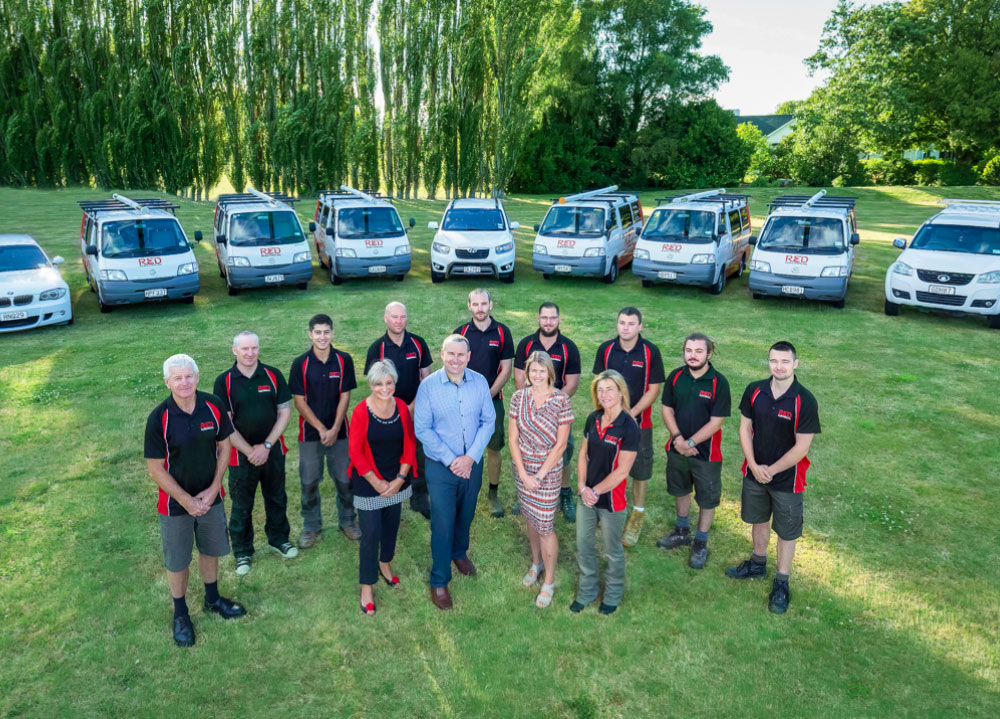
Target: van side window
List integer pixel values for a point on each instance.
(734, 221)
(636, 215)
(220, 223)
(626, 214)
(745, 216)
(91, 232)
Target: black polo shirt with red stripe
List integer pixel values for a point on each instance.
(604, 448)
(641, 366)
(565, 356)
(321, 384)
(775, 422)
(253, 403)
(695, 402)
(488, 348)
(187, 445)
(409, 358)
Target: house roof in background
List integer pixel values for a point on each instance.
(765, 123)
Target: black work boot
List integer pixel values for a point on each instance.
(679, 537)
(699, 555)
(748, 570)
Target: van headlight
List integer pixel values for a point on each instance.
(188, 268)
(901, 268)
(540, 250)
(759, 266)
(641, 255)
(346, 252)
(594, 252)
(834, 271)
(303, 257)
(441, 248)
(113, 275)
(703, 259)
(57, 293)
(236, 261)
(402, 250)
(989, 278)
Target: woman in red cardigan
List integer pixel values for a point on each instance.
(383, 455)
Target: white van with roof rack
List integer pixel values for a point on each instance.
(953, 263)
(259, 241)
(589, 234)
(359, 234)
(805, 249)
(475, 238)
(136, 251)
(699, 239)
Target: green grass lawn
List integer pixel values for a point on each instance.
(895, 590)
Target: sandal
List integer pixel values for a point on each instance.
(544, 598)
(532, 576)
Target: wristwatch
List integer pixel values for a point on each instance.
(268, 445)
(692, 443)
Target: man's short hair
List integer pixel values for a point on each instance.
(320, 319)
(180, 360)
(548, 306)
(456, 338)
(245, 333)
(481, 291)
(784, 346)
(393, 304)
(380, 370)
(631, 312)
(699, 337)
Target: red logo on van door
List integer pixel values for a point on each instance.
(373, 243)
(270, 251)
(150, 261)
(565, 243)
(672, 248)
(796, 259)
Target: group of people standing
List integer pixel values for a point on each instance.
(425, 437)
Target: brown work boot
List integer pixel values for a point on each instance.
(307, 539)
(465, 566)
(351, 531)
(441, 597)
(633, 528)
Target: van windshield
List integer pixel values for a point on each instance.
(478, 219)
(683, 225)
(142, 238)
(21, 257)
(252, 229)
(582, 221)
(819, 235)
(958, 238)
(359, 223)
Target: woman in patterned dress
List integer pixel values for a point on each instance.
(539, 426)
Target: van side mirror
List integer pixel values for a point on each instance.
(537, 227)
(753, 239)
(221, 239)
(432, 225)
(900, 243)
(91, 250)
(197, 235)
(413, 222)
(312, 226)
(329, 232)
(515, 225)
(855, 238)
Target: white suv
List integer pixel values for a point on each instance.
(475, 238)
(32, 292)
(952, 264)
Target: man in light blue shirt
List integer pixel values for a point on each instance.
(453, 417)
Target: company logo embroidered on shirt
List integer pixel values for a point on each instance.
(706, 395)
(334, 375)
(636, 363)
(494, 343)
(207, 425)
(264, 388)
(785, 414)
(411, 355)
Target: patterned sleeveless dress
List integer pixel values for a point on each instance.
(537, 428)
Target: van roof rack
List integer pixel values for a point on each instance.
(819, 200)
(120, 203)
(606, 194)
(719, 196)
(252, 195)
(349, 193)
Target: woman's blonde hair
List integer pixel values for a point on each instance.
(542, 358)
(615, 377)
(379, 371)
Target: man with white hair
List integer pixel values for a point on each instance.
(258, 401)
(412, 358)
(187, 450)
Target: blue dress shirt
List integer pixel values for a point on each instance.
(454, 419)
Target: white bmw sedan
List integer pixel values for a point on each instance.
(32, 292)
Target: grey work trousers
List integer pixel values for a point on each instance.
(311, 456)
(612, 526)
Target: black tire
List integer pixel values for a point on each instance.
(334, 279)
(743, 266)
(400, 278)
(222, 272)
(303, 285)
(233, 291)
(546, 276)
(609, 279)
(839, 304)
(647, 283)
(437, 277)
(993, 322)
(507, 279)
(72, 319)
(757, 295)
(188, 300)
(100, 304)
(720, 284)
(891, 309)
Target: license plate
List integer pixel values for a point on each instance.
(940, 290)
(274, 278)
(667, 275)
(158, 292)
(376, 269)
(792, 289)
(472, 270)
(563, 268)
(8, 316)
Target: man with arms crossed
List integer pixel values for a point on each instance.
(778, 418)
(566, 360)
(695, 402)
(187, 450)
(454, 419)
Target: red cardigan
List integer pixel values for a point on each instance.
(361, 453)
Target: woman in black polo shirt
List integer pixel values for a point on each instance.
(383, 451)
(610, 444)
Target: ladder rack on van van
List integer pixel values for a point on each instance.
(349, 193)
(243, 198)
(820, 201)
(120, 203)
(718, 196)
(606, 194)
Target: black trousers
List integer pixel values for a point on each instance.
(419, 499)
(243, 481)
(379, 528)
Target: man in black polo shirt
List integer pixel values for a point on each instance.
(492, 349)
(321, 381)
(638, 360)
(257, 399)
(412, 359)
(778, 418)
(695, 402)
(566, 360)
(186, 450)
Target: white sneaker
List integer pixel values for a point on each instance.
(286, 550)
(243, 565)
